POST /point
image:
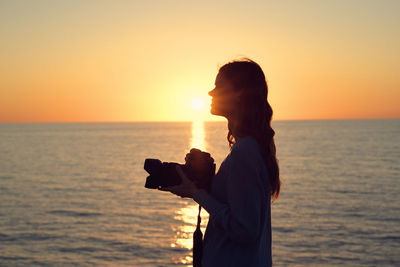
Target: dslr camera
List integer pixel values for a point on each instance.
(199, 167)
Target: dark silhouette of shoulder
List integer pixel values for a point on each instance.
(247, 146)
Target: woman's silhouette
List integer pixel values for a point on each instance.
(239, 201)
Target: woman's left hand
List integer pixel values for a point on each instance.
(186, 189)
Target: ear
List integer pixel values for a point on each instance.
(239, 95)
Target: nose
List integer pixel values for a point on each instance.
(211, 93)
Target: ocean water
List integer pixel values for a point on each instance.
(73, 193)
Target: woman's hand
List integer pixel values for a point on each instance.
(198, 160)
(186, 189)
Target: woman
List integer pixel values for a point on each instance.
(239, 202)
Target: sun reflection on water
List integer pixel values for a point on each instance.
(198, 135)
(184, 233)
(188, 214)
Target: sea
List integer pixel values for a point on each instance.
(72, 194)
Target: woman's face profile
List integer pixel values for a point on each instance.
(224, 98)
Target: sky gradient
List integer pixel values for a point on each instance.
(147, 60)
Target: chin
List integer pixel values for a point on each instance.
(216, 112)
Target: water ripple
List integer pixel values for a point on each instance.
(74, 213)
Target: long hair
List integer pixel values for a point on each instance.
(247, 77)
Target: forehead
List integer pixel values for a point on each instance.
(220, 79)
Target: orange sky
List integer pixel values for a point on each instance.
(147, 60)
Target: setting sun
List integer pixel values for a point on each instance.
(197, 103)
(141, 61)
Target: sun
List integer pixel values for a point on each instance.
(197, 103)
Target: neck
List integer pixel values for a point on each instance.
(233, 127)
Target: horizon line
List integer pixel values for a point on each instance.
(187, 121)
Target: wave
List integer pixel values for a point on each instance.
(74, 213)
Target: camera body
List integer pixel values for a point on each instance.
(199, 167)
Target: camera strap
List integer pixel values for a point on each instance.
(197, 242)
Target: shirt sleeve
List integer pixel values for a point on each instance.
(240, 217)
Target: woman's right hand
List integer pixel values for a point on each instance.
(185, 189)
